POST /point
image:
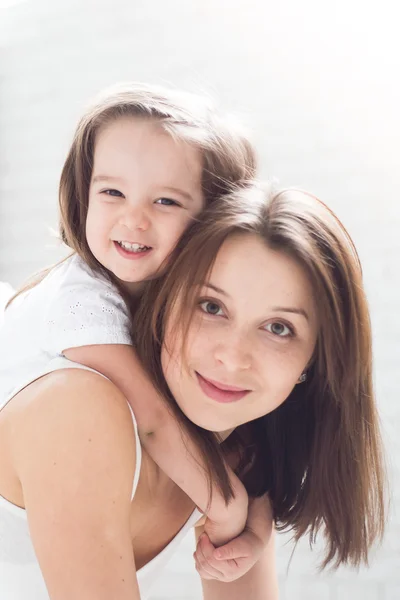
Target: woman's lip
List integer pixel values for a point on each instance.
(224, 387)
(222, 394)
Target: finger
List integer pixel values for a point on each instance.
(209, 569)
(226, 567)
(245, 546)
(237, 548)
(203, 556)
(201, 571)
(206, 547)
(230, 572)
(207, 572)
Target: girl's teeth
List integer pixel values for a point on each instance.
(132, 247)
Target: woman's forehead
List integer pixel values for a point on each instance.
(246, 269)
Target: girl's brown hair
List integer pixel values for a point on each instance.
(228, 156)
(318, 455)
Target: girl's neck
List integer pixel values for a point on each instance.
(133, 289)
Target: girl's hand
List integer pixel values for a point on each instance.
(229, 562)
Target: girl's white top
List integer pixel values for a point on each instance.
(71, 307)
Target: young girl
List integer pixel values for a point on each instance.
(143, 164)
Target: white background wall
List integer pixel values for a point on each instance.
(319, 84)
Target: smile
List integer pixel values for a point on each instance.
(219, 391)
(132, 250)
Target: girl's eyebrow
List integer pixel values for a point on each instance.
(288, 309)
(100, 178)
(175, 190)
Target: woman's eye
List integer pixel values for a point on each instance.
(211, 308)
(167, 202)
(111, 192)
(279, 329)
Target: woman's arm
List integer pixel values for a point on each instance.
(260, 583)
(73, 448)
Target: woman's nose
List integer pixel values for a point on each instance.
(234, 352)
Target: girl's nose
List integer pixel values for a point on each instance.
(135, 218)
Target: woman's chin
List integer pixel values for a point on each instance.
(210, 424)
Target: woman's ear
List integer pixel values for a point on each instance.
(303, 377)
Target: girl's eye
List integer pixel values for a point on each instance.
(211, 308)
(167, 202)
(279, 329)
(115, 193)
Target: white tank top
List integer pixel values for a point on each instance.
(20, 574)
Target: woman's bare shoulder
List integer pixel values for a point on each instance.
(74, 452)
(74, 407)
(68, 390)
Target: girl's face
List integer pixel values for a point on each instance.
(145, 188)
(252, 336)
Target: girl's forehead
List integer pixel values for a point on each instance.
(129, 141)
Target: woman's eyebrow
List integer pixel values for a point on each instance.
(216, 289)
(288, 309)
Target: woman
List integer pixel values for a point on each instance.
(260, 332)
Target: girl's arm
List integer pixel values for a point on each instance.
(235, 559)
(259, 583)
(73, 447)
(162, 437)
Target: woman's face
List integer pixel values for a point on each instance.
(253, 334)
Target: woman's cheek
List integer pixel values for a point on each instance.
(199, 344)
(169, 365)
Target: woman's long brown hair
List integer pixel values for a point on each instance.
(319, 455)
